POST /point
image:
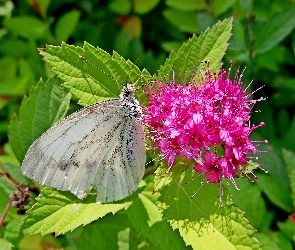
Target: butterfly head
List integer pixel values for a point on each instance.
(129, 102)
(127, 91)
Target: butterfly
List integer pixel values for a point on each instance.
(100, 146)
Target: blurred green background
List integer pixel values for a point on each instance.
(145, 32)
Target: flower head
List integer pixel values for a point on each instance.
(207, 122)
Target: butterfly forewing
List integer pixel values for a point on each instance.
(96, 147)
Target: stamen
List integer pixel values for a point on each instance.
(202, 183)
(197, 176)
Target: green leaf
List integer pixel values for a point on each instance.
(27, 26)
(146, 217)
(254, 208)
(238, 41)
(110, 232)
(5, 245)
(60, 212)
(283, 120)
(275, 240)
(41, 6)
(187, 5)
(246, 8)
(10, 164)
(91, 74)
(142, 7)
(13, 169)
(219, 7)
(18, 81)
(171, 45)
(184, 21)
(210, 46)
(6, 9)
(138, 241)
(15, 47)
(66, 25)
(164, 178)
(275, 30)
(275, 184)
(202, 223)
(5, 189)
(12, 230)
(289, 158)
(46, 105)
(267, 242)
(121, 7)
(287, 227)
(272, 61)
(38, 242)
(277, 191)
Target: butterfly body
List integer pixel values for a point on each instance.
(100, 146)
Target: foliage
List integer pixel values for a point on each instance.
(259, 37)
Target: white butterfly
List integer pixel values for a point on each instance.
(101, 146)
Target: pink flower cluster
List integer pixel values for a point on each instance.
(206, 122)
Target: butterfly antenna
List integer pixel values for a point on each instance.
(101, 70)
(94, 66)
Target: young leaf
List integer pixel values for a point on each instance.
(46, 105)
(91, 74)
(210, 46)
(202, 223)
(146, 217)
(60, 212)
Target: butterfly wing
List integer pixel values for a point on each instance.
(95, 147)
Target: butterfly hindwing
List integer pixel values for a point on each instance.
(122, 167)
(95, 147)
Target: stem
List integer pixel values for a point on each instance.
(149, 172)
(8, 176)
(4, 214)
(251, 35)
(14, 182)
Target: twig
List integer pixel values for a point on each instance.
(152, 171)
(4, 214)
(251, 35)
(5, 173)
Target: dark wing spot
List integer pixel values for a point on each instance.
(63, 165)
